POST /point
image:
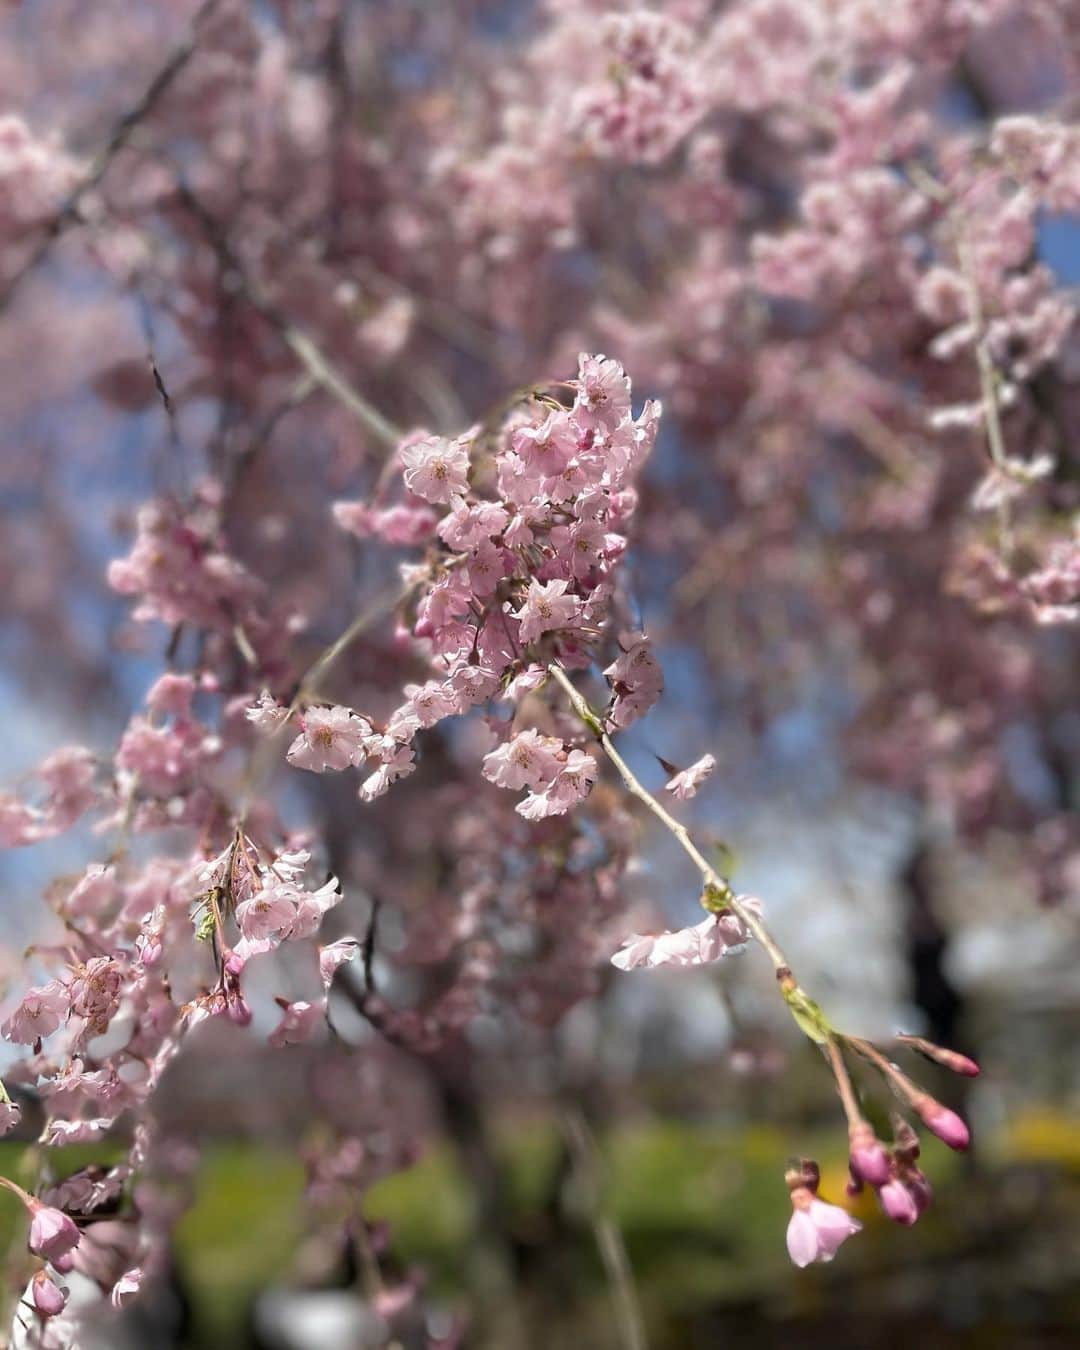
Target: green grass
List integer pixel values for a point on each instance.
(702, 1211)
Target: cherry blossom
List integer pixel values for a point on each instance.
(817, 1229)
(436, 469)
(546, 606)
(686, 782)
(331, 738)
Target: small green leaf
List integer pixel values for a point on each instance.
(809, 1017)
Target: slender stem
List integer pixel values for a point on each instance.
(122, 131)
(900, 1081)
(709, 873)
(260, 760)
(995, 437)
(15, 1189)
(325, 375)
(843, 1082)
(609, 1239)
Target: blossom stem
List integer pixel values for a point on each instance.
(15, 1190)
(888, 1070)
(710, 875)
(843, 1081)
(581, 1145)
(325, 375)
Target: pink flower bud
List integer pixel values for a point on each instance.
(49, 1298)
(52, 1233)
(869, 1159)
(65, 1263)
(946, 1124)
(898, 1203)
(950, 1059)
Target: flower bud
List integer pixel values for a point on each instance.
(49, 1298)
(52, 1233)
(946, 1124)
(949, 1059)
(898, 1203)
(869, 1159)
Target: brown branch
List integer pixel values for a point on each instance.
(68, 214)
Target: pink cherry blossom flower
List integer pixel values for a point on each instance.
(398, 761)
(435, 468)
(531, 678)
(269, 915)
(312, 906)
(39, 1014)
(574, 781)
(464, 526)
(266, 714)
(526, 760)
(52, 1233)
(685, 784)
(549, 447)
(546, 607)
(817, 1229)
(332, 738)
(716, 936)
(299, 1023)
(126, 1287)
(603, 398)
(429, 703)
(334, 955)
(10, 1112)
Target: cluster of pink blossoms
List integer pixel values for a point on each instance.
(529, 528)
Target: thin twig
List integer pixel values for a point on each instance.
(314, 361)
(709, 873)
(68, 214)
(610, 1243)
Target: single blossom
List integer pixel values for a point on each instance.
(126, 1287)
(546, 606)
(526, 760)
(686, 783)
(39, 1014)
(52, 1233)
(334, 955)
(299, 1022)
(817, 1229)
(435, 468)
(266, 714)
(332, 738)
(398, 761)
(715, 937)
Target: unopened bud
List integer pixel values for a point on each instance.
(946, 1124)
(868, 1158)
(949, 1059)
(898, 1203)
(49, 1298)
